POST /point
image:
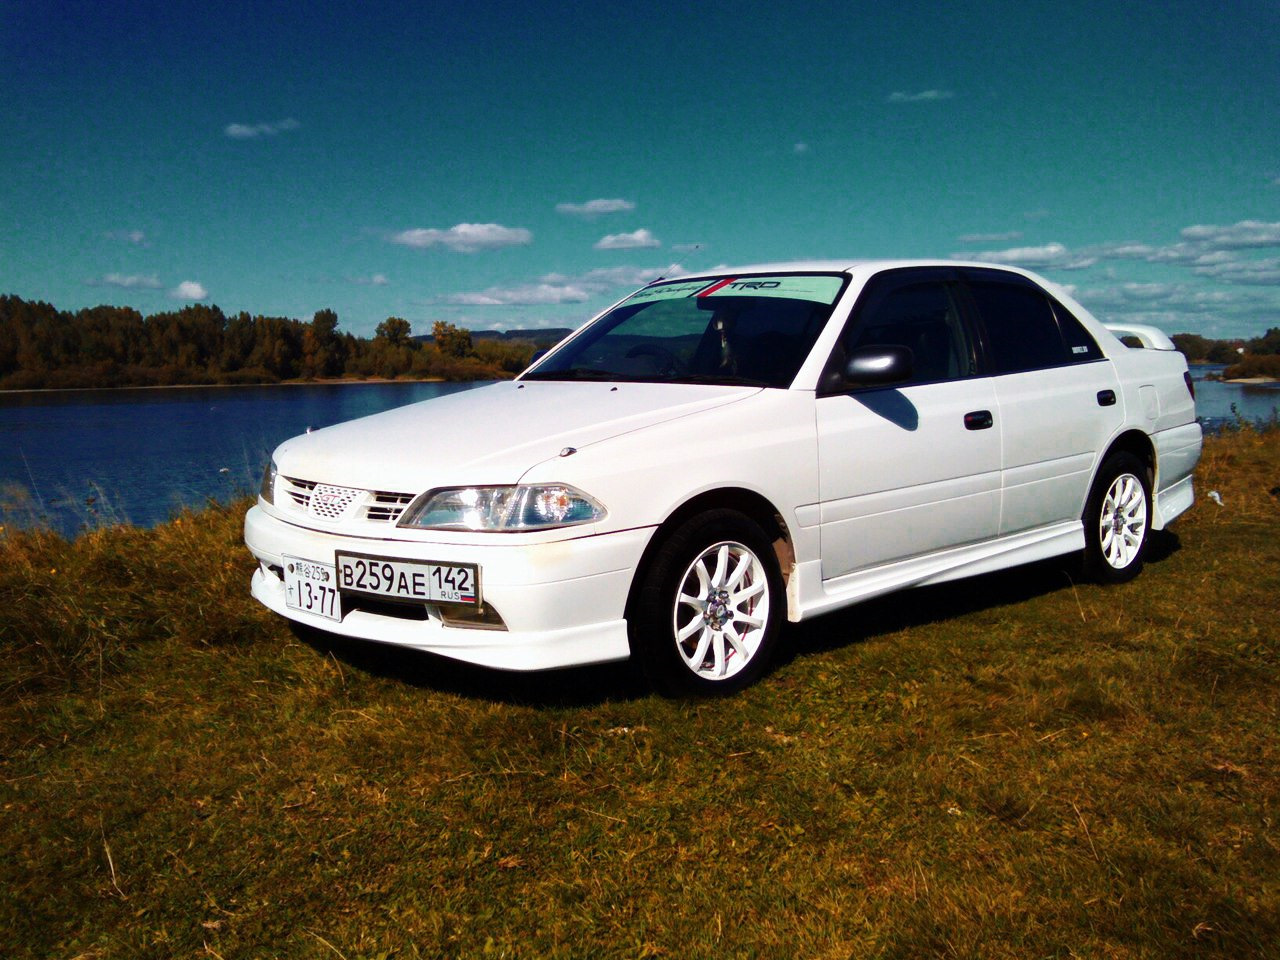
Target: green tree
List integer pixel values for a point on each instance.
(322, 346)
(391, 353)
(394, 330)
(451, 341)
(1268, 343)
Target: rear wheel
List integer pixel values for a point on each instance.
(708, 610)
(1117, 520)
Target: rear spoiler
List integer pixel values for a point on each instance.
(1152, 338)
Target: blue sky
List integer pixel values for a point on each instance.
(503, 165)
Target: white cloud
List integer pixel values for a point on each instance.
(189, 290)
(133, 237)
(130, 281)
(628, 241)
(1212, 251)
(628, 276)
(1238, 236)
(1179, 306)
(377, 280)
(991, 237)
(251, 131)
(557, 288)
(1050, 256)
(801, 147)
(465, 237)
(595, 208)
(1262, 273)
(924, 96)
(534, 294)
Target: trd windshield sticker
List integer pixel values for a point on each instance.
(819, 288)
(667, 291)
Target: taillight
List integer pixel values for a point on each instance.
(1191, 386)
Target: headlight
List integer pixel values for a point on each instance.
(268, 490)
(505, 509)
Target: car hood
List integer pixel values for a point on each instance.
(491, 434)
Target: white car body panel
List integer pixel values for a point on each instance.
(873, 491)
(935, 483)
(1053, 429)
(488, 435)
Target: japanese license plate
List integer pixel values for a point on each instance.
(312, 587)
(413, 581)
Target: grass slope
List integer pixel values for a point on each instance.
(1012, 766)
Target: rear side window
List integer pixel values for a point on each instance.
(1021, 330)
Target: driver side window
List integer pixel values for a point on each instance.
(924, 318)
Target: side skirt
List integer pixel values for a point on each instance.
(817, 596)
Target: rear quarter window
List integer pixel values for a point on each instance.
(1081, 347)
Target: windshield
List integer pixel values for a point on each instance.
(731, 330)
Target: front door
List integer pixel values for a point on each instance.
(915, 468)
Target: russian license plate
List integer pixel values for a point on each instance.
(413, 581)
(312, 587)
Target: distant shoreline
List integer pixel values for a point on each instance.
(337, 381)
(1253, 381)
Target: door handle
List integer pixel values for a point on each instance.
(978, 420)
(1106, 398)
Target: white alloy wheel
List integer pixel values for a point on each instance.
(721, 611)
(1122, 521)
(1117, 519)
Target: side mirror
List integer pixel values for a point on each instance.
(878, 365)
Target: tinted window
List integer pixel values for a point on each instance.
(1080, 345)
(754, 330)
(923, 317)
(1022, 333)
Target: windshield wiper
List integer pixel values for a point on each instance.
(720, 379)
(577, 373)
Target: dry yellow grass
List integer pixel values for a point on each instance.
(1014, 766)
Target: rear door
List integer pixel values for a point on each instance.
(914, 468)
(1057, 394)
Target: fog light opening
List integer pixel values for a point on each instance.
(482, 617)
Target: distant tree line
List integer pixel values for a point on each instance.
(1259, 357)
(43, 347)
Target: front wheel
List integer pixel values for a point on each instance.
(708, 610)
(1117, 520)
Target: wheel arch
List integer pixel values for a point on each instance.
(747, 502)
(1137, 443)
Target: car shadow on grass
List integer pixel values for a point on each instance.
(616, 682)
(569, 687)
(920, 606)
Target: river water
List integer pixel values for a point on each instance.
(83, 458)
(78, 458)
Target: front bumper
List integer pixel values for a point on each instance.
(562, 603)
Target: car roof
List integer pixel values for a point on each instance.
(851, 266)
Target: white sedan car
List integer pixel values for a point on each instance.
(718, 454)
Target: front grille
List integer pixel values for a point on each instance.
(330, 503)
(323, 501)
(299, 491)
(387, 507)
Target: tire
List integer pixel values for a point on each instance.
(1117, 520)
(708, 607)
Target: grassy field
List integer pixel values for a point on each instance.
(1012, 766)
